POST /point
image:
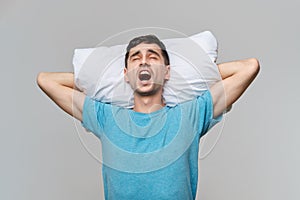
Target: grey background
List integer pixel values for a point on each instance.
(41, 154)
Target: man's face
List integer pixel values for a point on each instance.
(146, 71)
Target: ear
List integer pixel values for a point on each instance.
(167, 72)
(125, 75)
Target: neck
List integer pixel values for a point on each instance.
(148, 104)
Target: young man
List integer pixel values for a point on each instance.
(150, 151)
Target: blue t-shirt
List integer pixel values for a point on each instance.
(150, 156)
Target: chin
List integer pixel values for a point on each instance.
(148, 92)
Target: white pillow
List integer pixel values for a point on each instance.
(99, 71)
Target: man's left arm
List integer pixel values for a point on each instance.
(236, 77)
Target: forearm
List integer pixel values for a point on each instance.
(228, 69)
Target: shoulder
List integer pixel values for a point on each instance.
(91, 106)
(204, 98)
(199, 105)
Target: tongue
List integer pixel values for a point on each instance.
(144, 77)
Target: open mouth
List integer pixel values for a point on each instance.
(144, 75)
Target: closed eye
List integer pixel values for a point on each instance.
(153, 58)
(135, 58)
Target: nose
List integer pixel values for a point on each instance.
(144, 62)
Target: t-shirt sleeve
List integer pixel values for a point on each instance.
(91, 111)
(205, 105)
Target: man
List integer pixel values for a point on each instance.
(150, 151)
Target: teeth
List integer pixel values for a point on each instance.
(144, 72)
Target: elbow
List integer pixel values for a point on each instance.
(254, 65)
(42, 80)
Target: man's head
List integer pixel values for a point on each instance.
(146, 65)
(147, 39)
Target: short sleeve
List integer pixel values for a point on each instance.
(205, 106)
(92, 109)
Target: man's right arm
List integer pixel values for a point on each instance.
(59, 86)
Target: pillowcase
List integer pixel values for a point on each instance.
(99, 73)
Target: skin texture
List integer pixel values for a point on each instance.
(147, 94)
(59, 86)
(236, 77)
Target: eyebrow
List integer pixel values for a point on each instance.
(154, 52)
(149, 50)
(134, 54)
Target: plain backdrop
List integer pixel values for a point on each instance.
(257, 156)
